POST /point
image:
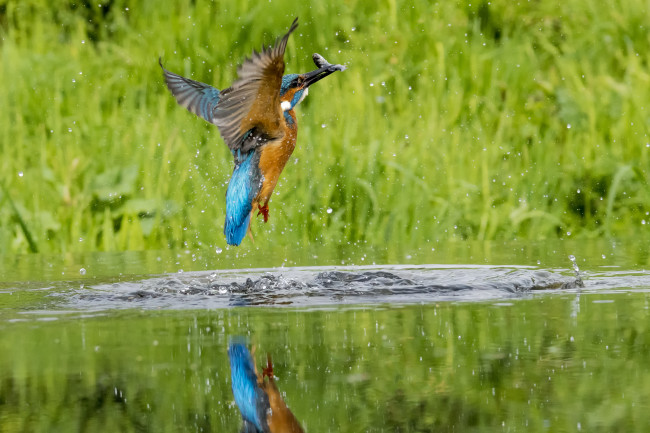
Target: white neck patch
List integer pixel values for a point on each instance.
(286, 105)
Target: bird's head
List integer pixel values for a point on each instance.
(295, 86)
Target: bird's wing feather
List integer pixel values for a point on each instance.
(199, 98)
(253, 101)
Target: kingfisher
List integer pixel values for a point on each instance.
(256, 119)
(262, 407)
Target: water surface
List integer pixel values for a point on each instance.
(483, 337)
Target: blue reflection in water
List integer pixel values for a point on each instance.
(262, 407)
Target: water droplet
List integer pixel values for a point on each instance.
(218, 250)
(579, 282)
(329, 210)
(20, 174)
(568, 126)
(82, 271)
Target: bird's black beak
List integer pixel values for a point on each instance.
(311, 77)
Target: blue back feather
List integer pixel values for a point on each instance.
(251, 400)
(242, 189)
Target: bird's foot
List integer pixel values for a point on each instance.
(268, 370)
(264, 210)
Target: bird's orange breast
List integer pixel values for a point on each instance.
(273, 158)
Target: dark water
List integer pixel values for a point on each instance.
(465, 337)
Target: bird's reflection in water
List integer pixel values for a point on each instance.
(262, 408)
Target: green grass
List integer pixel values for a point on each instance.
(489, 121)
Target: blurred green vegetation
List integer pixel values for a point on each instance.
(576, 363)
(494, 120)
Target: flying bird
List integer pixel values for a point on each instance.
(256, 119)
(260, 403)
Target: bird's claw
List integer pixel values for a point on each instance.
(264, 210)
(268, 370)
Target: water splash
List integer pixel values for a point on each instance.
(576, 270)
(311, 287)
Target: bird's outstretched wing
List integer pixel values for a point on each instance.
(199, 98)
(249, 111)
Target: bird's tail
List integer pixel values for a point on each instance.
(235, 232)
(242, 188)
